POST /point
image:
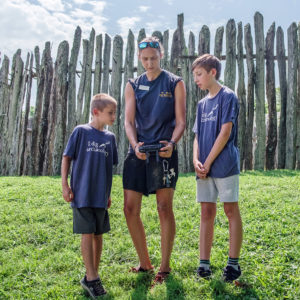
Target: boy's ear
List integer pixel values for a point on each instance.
(214, 72)
(95, 111)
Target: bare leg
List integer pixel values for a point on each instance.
(97, 248)
(208, 214)
(167, 225)
(235, 228)
(87, 255)
(132, 210)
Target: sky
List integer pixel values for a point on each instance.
(27, 23)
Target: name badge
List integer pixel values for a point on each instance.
(144, 87)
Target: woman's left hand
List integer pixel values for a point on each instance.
(167, 150)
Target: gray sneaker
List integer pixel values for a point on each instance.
(94, 287)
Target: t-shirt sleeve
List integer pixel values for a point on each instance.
(230, 110)
(195, 127)
(115, 151)
(70, 149)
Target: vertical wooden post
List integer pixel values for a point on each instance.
(191, 106)
(25, 122)
(4, 110)
(248, 164)
(72, 82)
(88, 79)
(48, 77)
(158, 35)
(128, 73)
(291, 97)
(219, 42)
(141, 36)
(241, 93)
(271, 97)
(280, 52)
(61, 66)
(204, 41)
(98, 65)
(116, 79)
(260, 151)
(106, 62)
(80, 94)
(230, 66)
(165, 60)
(298, 107)
(13, 112)
(37, 113)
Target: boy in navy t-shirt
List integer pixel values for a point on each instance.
(93, 152)
(216, 162)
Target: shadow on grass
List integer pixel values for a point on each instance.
(219, 290)
(175, 288)
(142, 286)
(273, 173)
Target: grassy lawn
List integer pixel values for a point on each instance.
(40, 257)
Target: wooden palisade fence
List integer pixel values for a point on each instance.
(34, 146)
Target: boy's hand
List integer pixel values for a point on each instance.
(167, 150)
(109, 202)
(139, 155)
(200, 170)
(67, 194)
(206, 167)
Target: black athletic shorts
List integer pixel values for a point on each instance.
(147, 177)
(90, 220)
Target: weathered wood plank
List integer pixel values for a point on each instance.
(298, 107)
(281, 62)
(71, 120)
(241, 93)
(165, 59)
(80, 94)
(61, 66)
(116, 79)
(291, 123)
(141, 36)
(4, 110)
(88, 79)
(98, 65)
(204, 41)
(271, 97)
(23, 138)
(230, 66)
(219, 42)
(128, 73)
(260, 151)
(106, 62)
(248, 153)
(48, 75)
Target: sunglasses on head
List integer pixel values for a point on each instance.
(144, 45)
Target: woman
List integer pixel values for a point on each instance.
(154, 115)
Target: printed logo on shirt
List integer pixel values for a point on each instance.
(144, 87)
(211, 116)
(96, 147)
(165, 95)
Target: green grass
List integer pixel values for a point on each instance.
(40, 257)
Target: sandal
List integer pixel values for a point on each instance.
(160, 278)
(139, 269)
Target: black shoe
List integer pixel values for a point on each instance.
(203, 272)
(94, 287)
(231, 273)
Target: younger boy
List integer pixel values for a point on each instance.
(93, 151)
(216, 162)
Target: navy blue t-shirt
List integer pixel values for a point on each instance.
(155, 107)
(93, 154)
(212, 113)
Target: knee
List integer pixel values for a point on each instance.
(164, 210)
(208, 214)
(130, 211)
(230, 211)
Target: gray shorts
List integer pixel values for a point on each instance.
(90, 220)
(210, 188)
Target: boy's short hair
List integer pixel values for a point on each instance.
(208, 62)
(152, 39)
(102, 100)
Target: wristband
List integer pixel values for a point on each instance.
(173, 143)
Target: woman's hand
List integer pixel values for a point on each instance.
(167, 150)
(138, 154)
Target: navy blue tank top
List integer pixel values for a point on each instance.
(155, 107)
